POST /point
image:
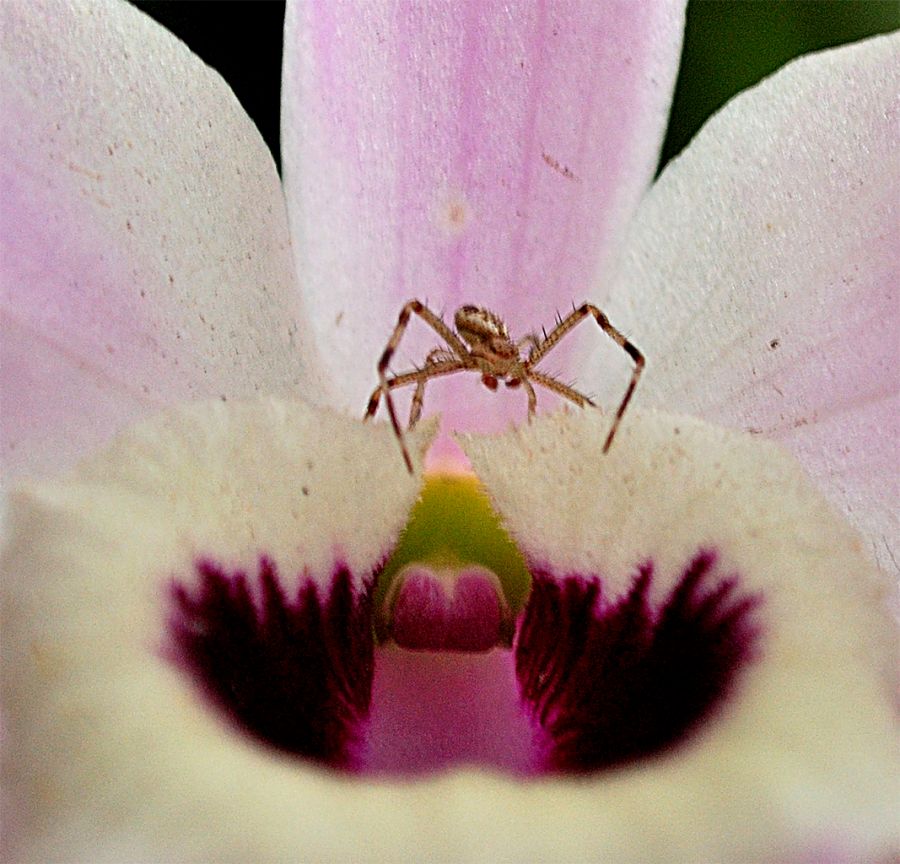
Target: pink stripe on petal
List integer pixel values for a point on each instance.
(485, 153)
(144, 250)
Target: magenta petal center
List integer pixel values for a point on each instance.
(451, 611)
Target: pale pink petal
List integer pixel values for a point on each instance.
(145, 252)
(762, 271)
(486, 153)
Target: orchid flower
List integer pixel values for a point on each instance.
(199, 660)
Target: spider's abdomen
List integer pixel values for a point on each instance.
(479, 326)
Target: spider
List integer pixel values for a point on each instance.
(482, 344)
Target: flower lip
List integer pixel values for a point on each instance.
(82, 617)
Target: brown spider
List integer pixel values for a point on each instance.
(481, 343)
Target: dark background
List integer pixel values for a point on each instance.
(727, 47)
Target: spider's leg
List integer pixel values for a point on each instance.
(435, 357)
(518, 376)
(559, 388)
(438, 355)
(529, 339)
(395, 381)
(532, 398)
(565, 325)
(428, 372)
(456, 345)
(633, 352)
(551, 340)
(417, 377)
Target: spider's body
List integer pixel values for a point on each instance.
(481, 343)
(481, 328)
(489, 342)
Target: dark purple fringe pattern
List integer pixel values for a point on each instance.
(296, 671)
(611, 682)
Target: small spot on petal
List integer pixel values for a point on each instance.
(454, 213)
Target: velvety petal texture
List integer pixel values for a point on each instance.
(144, 250)
(798, 762)
(761, 274)
(486, 153)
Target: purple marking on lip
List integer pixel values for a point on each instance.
(296, 672)
(611, 682)
(601, 682)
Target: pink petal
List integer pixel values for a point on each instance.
(144, 242)
(464, 153)
(761, 277)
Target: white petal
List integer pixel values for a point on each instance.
(761, 274)
(800, 758)
(145, 255)
(117, 759)
(110, 754)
